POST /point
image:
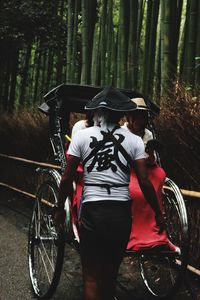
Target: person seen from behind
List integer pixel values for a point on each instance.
(107, 153)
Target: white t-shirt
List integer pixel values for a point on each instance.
(106, 167)
(148, 135)
(78, 126)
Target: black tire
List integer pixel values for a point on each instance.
(163, 271)
(46, 244)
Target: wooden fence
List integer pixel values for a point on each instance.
(19, 174)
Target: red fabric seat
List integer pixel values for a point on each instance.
(145, 232)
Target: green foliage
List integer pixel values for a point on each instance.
(26, 19)
(46, 43)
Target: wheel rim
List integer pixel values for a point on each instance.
(163, 271)
(160, 273)
(45, 243)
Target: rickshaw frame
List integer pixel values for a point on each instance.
(58, 104)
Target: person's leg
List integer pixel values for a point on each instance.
(104, 233)
(91, 280)
(99, 281)
(91, 268)
(117, 239)
(109, 278)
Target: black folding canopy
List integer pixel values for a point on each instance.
(73, 98)
(67, 98)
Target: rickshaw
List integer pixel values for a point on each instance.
(161, 271)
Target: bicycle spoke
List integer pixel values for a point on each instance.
(162, 273)
(44, 264)
(46, 249)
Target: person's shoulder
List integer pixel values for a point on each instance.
(84, 132)
(92, 128)
(148, 132)
(148, 135)
(125, 126)
(132, 136)
(80, 124)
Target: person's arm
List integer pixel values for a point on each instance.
(67, 179)
(150, 160)
(65, 187)
(148, 191)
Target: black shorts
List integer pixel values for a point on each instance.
(104, 230)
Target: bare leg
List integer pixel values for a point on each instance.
(109, 278)
(91, 281)
(99, 282)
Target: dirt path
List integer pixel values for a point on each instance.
(15, 212)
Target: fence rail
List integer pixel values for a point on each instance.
(32, 162)
(193, 194)
(188, 193)
(189, 267)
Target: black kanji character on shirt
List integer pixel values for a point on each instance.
(105, 153)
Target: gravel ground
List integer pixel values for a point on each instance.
(15, 212)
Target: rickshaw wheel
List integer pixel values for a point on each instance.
(163, 271)
(46, 243)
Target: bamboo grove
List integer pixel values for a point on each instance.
(143, 45)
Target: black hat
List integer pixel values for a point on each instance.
(112, 99)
